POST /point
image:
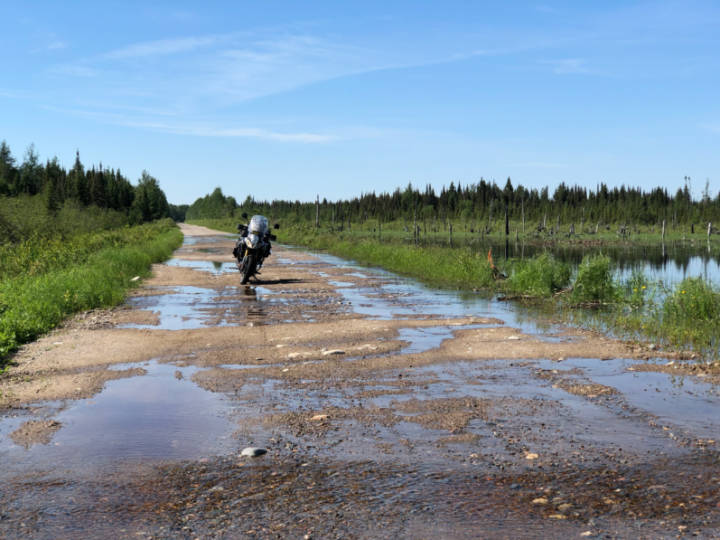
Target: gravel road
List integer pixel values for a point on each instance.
(385, 409)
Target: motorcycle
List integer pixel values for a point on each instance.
(253, 246)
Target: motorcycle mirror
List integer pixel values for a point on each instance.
(276, 226)
(244, 215)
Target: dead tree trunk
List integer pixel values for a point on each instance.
(317, 211)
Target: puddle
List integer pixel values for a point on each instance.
(424, 339)
(187, 308)
(214, 267)
(184, 308)
(505, 383)
(193, 240)
(679, 400)
(159, 416)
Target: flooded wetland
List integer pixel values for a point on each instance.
(387, 410)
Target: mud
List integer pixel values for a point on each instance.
(388, 411)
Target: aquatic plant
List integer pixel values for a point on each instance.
(539, 276)
(691, 314)
(594, 282)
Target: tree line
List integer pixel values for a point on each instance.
(98, 186)
(484, 203)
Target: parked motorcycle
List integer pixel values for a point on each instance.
(253, 246)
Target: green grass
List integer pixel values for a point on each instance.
(34, 302)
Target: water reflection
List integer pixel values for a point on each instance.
(670, 263)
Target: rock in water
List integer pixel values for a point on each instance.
(253, 452)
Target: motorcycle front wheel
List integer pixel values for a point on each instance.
(247, 268)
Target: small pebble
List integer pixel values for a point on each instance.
(253, 452)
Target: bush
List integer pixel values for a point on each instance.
(539, 276)
(594, 283)
(691, 314)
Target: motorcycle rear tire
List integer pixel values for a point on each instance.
(248, 268)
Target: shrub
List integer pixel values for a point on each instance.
(594, 283)
(691, 314)
(539, 276)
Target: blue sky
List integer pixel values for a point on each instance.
(289, 99)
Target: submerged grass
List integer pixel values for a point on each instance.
(99, 274)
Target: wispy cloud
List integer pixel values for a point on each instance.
(567, 66)
(195, 128)
(161, 47)
(540, 165)
(74, 70)
(713, 128)
(203, 76)
(232, 132)
(57, 45)
(10, 94)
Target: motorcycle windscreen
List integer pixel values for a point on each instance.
(258, 225)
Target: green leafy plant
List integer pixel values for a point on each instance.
(540, 276)
(594, 282)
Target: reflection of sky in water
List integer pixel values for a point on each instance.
(214, 267)
(186, 308)
(671, 272)
(157, 416)
(192, 240)
(674, 399)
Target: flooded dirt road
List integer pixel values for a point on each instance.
(386, 409)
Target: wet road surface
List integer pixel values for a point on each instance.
(387, 409)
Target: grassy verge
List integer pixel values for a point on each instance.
(85, 276)
(684, 317)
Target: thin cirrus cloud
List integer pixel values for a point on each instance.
(162, 47)
(193, 79)
(57, 45)
(194, 128)
(233, 132)
(567, 66)
(540, 165)
(230, 67)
